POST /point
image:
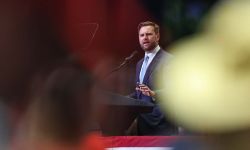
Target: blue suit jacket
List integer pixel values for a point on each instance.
(154, 123)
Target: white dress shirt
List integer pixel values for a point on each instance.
(151, 56)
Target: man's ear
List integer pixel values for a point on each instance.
(158, 37)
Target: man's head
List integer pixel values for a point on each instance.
(148, 35)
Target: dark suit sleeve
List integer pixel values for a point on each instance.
(132, 95)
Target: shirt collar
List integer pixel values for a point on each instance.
(153, 52)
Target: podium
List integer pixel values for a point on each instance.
(119, 112)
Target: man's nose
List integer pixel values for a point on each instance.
(145, 37)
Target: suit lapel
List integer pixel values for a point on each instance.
(152, 66)
(138, 70)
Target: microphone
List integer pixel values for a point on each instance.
(131, 56)
(126, 61)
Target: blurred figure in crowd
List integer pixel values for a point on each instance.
(61, 111)
(27, 44)
(45, 96)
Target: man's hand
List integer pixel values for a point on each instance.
(145, 90)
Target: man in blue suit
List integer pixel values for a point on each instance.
(154, 123)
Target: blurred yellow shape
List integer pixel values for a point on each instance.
(204, 92)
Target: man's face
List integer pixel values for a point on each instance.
(148, 38)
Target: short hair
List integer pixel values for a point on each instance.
(149, 23)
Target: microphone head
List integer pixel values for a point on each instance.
(132, 55)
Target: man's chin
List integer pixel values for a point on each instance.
(147, 49)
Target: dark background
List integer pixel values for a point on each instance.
(103, 32)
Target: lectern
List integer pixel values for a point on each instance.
(119, 113)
